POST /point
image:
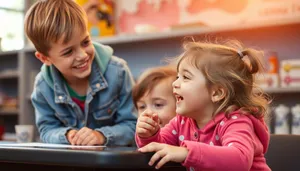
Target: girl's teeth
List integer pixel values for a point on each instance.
(179, 98)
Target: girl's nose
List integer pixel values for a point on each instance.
(148, 111)
(175, 84)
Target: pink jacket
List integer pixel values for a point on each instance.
(236, 143)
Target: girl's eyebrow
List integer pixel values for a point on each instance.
(157, 98)
(187, 71)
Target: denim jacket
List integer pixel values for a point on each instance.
(108, 105)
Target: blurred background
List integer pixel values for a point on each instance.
(146, 32)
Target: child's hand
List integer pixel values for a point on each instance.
(147, 124)
(87, 136)
(70, 135)
(165, 153)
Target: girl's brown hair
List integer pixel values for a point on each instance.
(232, 67)
(150, 78)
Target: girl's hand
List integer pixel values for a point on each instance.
(165, 153)
(87, 136)
(147, 124)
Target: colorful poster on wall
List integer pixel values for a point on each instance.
(100, 15)
(147, 14)
(165, 14)
(238, 12)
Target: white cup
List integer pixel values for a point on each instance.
(24, 133)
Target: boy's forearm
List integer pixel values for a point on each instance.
(55, 135)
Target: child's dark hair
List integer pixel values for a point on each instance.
(150, 78)
(233, 68)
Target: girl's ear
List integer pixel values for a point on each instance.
(218, 94)
(43, 58)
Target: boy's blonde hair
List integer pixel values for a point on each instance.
(47, 21)
(233, 68)
(150, 78)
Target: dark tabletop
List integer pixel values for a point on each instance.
(112, 157)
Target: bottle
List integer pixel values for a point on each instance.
(281, 119)
(273, 62)
(296, 119)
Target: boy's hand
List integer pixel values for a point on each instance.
(87, 136)
(165, 153)
(147, 124)
(70, 135)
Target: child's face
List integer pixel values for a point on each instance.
(192, 96)
(160, 100)
(73, 59)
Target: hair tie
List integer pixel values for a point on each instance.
(241, 54)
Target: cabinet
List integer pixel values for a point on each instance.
(144, 51)
(9, 89)
(286, 96)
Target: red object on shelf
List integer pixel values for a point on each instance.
(1, 131)
(273, 61)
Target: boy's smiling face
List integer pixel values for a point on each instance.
(74, 58)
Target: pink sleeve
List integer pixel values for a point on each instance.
(164, 135)
(235, 154)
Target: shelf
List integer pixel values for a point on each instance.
(8, 53)
(28, 97)
(9, 112)
(129, 38)
(9, 137)
(282, 90)
(11, 74)
(188, 32)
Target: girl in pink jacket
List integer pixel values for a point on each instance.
(220, 113)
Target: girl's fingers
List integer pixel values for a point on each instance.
(151, 147)
(148, 120)
(142, 131)
(163, 161)
(159, 154)
(146, 126)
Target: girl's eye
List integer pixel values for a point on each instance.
(185, 77)
(141, 107)
(158, 105)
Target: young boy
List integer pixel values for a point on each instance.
(154, 92)
(82, 94)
